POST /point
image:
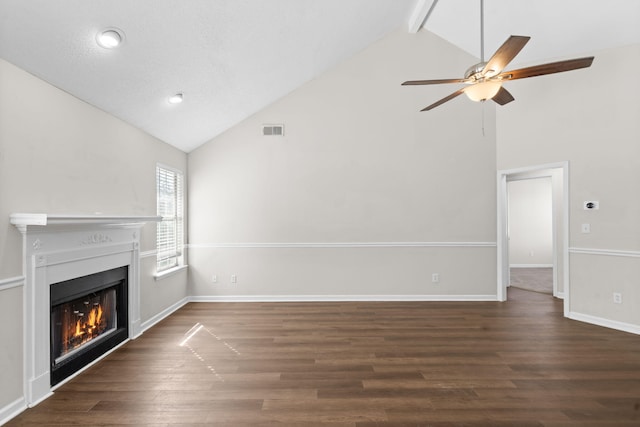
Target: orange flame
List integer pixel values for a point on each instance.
(78, 329)
(95, 315)
(92, 317)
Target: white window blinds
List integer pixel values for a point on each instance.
(170, 234)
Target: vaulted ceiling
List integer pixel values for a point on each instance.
(231, 58)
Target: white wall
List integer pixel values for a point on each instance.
(358, 164)
(530, 223)
(60, 155)
(590, 118)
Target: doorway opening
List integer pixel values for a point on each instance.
(530, 235)
(558, 173)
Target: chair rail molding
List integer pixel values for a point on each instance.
(605, 252)
(268, 245)
(11, 282)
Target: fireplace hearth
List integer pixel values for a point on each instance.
(88, 318)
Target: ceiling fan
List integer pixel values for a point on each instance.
(484, 80)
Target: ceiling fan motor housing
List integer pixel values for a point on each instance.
(475, 72)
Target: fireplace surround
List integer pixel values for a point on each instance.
(64, 248)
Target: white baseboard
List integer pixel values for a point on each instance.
(163, 314)
(338, 298)
(530, 265)
(612, 324)
(12, 410)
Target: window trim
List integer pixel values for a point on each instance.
(169, 272)
(179, 218)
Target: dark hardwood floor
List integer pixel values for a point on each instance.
(533, 279)
(518, 363)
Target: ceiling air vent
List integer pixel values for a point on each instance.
(273, 130)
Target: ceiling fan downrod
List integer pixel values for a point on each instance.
(481, 30)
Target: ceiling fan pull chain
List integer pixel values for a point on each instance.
(483, 134)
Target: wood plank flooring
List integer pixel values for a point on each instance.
(360, 364)
(532, 279)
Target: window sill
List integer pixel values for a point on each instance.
(170, 272)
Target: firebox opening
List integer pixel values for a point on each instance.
(88, 318)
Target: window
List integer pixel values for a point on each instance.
(170, 234)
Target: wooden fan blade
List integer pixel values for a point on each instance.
(443, 100)
(504, 55)
(550, 68)
(503, 96)
(432, 82)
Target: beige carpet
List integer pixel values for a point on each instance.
(533, 279)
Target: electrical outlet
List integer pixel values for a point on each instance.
(617, 298)
(435, 278)
(234, 278)
(214, 279)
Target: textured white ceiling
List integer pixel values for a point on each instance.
(232, 58)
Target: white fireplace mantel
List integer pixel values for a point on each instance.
(23, 220)
(62, 247)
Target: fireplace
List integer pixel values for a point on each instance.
(88, 318)
(62, 254)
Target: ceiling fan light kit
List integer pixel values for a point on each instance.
(483, 90)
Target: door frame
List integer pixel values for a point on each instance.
(560, 245)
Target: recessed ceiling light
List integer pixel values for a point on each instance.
(176, 99)
(110, 38)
